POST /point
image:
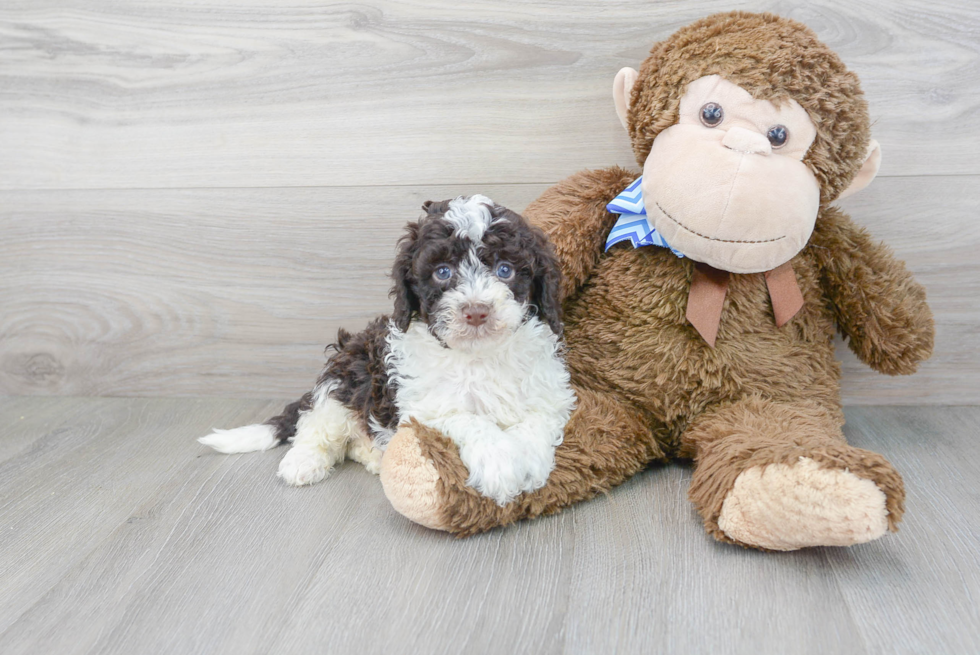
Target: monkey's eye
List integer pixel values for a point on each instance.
(712, 114)
(442, 273)
(777, 135)
(504, 271)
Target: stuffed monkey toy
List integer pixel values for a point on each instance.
(702, 295)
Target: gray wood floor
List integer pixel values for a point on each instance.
(120, 534)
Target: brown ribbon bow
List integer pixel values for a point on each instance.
(709, 286)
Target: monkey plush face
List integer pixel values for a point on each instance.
(726, 185)
(745, 125)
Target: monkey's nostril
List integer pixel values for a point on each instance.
(476, 314)
(740, 139)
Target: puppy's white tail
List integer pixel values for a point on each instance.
(260, 436)
(246, 439)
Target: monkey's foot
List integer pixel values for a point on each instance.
(786, 507)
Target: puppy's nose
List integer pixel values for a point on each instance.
(476, 314)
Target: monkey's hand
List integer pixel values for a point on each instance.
(573, 215)
(880, 309)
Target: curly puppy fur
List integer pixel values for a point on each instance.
(472, 349)
(649, 387)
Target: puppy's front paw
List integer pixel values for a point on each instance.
(303, 466)
(361, 450)
(501, 470)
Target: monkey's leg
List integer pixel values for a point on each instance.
(780, 476)
(606, 442)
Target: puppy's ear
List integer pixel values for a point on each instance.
(546, 290)
(406, 302)
(435, 207)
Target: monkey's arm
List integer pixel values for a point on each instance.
(573, 215)
(878, 306)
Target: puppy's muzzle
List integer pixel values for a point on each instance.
(475, 314)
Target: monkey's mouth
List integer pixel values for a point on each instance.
(704, 236)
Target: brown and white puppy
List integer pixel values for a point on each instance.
(472, 349)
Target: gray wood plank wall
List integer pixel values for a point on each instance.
(194, 197)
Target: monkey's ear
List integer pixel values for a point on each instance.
(622, 88)
(872, 162)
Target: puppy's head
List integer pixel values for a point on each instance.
(474, 272)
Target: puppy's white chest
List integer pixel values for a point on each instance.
(476, 386)
(505, 406)
(434, 382)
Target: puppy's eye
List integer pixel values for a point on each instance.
(777, 135)
(442, 273)
(504, 271)
(712, 114)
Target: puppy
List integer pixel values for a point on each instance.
(471, 349)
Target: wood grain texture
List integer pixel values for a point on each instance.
(83, 477)
(175, 93)
(931, 224)
(214, 292)
(243, 168)
(936, 576)
(236, 292)
(150, 543)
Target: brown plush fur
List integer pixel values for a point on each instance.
(758, 432)
(606, 442)
(649, 386)
(772, 58)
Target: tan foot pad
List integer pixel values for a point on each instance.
(783, 507)
(409, 481)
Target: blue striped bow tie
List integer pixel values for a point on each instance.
(633, 224)
(709, 286)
